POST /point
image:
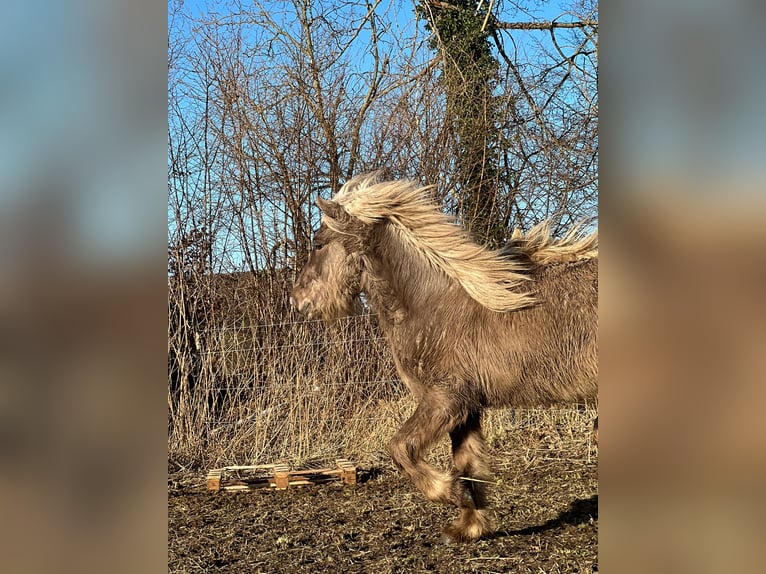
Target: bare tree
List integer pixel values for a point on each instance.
(269, 108)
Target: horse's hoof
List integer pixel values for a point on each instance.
(447, 540)
(449, 537)
(452, 535)
(470, 527)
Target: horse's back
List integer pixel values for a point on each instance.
(550, 350)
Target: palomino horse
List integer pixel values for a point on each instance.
(469, 328)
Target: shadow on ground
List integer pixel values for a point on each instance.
(579, 512)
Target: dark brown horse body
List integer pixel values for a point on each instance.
(454, 344)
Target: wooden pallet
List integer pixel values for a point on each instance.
(278, 476)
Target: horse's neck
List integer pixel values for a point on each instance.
(398, 282)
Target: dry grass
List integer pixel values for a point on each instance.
(246, 390)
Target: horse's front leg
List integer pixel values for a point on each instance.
(434, 417)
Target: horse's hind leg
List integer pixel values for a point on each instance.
(469, 454)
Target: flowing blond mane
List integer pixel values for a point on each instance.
(490, 277)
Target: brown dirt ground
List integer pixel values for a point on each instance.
(546, 511)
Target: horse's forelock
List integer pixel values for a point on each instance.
(354, 186)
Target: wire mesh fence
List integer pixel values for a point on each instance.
(299, 390)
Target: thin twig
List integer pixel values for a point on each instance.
(486, 18)
(495, 482)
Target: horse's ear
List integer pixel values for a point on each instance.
(332, 209)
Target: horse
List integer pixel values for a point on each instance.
(469, 327)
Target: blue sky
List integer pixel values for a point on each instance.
(403, 14)
(400, 15)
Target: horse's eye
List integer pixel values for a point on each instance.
(317, 246)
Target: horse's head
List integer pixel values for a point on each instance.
(328, 287)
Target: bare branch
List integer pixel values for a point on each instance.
(544, 25)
